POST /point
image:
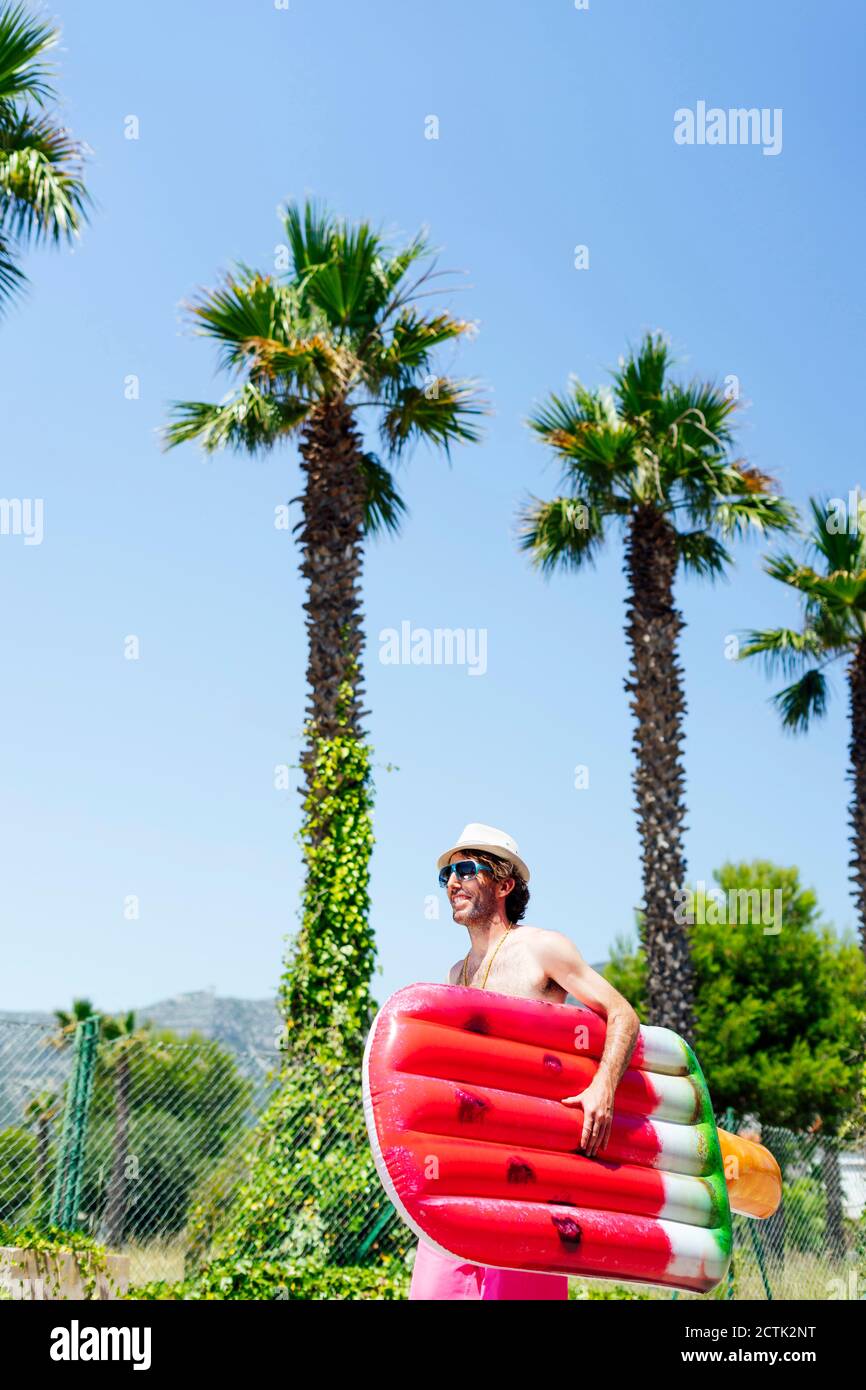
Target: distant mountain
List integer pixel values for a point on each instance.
(245, 1027)
(242, 1025)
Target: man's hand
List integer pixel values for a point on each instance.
(597, 1105)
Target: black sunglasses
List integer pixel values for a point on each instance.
(464, 868)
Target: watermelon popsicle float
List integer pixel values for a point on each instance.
(462, 1097)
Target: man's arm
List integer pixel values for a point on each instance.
(564, 963)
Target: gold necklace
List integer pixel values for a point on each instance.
(490, 962)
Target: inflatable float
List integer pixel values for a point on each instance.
(462, 1092)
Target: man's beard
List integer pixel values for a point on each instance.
(478, 908)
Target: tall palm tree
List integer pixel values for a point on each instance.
(832, 589)
(341, 333)
(125, 1036)
(68, 1021)
(42, 193)
(652, 457)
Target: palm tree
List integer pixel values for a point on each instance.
(42, 193)
(654, 457)
(340, 333)
(68, 1021)
(832, 590)
(125, 1036)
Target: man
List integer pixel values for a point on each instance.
(488, 893)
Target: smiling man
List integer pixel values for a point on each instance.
(486, 882)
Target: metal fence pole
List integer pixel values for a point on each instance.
(79, 1089)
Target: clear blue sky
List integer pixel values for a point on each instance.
(155, 777)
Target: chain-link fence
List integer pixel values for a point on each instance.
(34, 1077)
(156, 1156)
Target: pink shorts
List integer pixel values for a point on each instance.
(446, 1277)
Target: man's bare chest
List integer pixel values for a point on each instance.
(515, 970)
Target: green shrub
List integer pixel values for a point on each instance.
(312, 1190)
(805, 1216)
(17, 1172)
(262, 1280)
(89, 1255)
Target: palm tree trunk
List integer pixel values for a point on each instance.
(857, 776)
(325, 993)
(331, 538)
(115, 1207)
(655, 685)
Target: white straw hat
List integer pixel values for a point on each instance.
(491, 841)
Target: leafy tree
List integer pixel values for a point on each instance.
(832, 590)
(68, 1021)
(162, 1113)
(42, 193)
(17, 1172)
(39, 1113)
(778, 1014)
(342, 332)
(651, 458)
(311, 1189)
(125, 1037)
(150, 1141)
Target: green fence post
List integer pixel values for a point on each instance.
(79, 1089)
(385, 1216)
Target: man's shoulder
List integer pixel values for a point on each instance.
(546, 937)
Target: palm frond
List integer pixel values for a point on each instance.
(344, 287)
(42, 193)
(754, 511)
(803, 701)
(384, 508)
(248, 421)
(595, 447)
(247, 306)
(833, 592)
(395, 268)
(640, 380)
(842, 547)
(702, 554)
(697, 418)
(563, 421)
(23, 42)
(783, 648)
(441, 412)
(566, 533)
(12, 278)
(410, 346)
(310, 231)
(302, 362)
